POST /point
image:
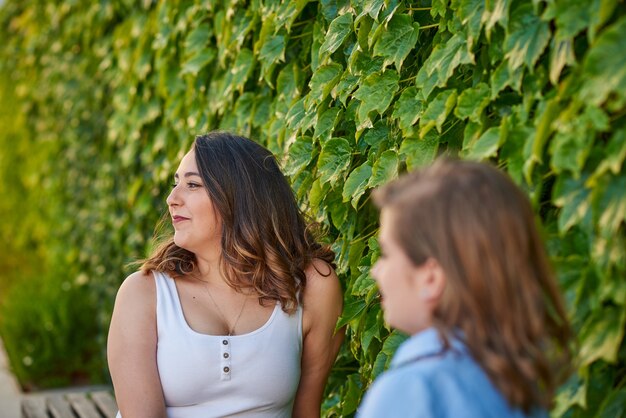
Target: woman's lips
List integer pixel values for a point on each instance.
(176, 219)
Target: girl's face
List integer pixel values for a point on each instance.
(406, 289)
(196, 223)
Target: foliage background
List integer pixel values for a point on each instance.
(99, 100)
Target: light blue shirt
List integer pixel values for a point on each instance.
(426, 381)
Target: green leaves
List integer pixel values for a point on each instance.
(441, 64)
(337, 33)
(385, 169)
(197, 50)
(472, 102)
(602, 335)
(605, 66)
(407, 109)
(334, 160)
(398, 40)
(376, 93)
(437, 111)
(527, 37)
(323, 81)
(357, 183)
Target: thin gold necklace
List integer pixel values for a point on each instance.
(231, 330)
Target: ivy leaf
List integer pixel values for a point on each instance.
(472, 102)
(197, 40)
(604, 67)
(330, 8)
(437, 111)
(272, 51)
(561, 54)
(198, 61)
(352, 396)
(372, 326)
(326, 123)
(614, 404)
(570, 16)
(496, 12)
(242, 69)
(419, 152)
(356, 183)
(334, 160)
(612, 205)
(363, 284)
(299, 155)
(364, 65)
(337, 33)
(602, 334)
(527, 37)
(296, 115)
(486, 146)
(614, 156)
(376, 93)
(569, 151)
(385, 169)
(322, 82)
(438, 8)
(441, 63)
(503, 77)
(319, 191)
(289, 12)
(345, 87)
(574, 392)
(288, 83)
(379, 364)
(470, 13)
(572, 197)
(398, 40)
(533, 151)
(351, 311)
(371, 8)
(392, 342)
(407, 109)
(377, 134)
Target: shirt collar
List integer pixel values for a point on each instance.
(425, 343)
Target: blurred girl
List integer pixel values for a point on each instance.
(463, 272)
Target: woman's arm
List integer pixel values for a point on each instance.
(322, 304)
(131, 349)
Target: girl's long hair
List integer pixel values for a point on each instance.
(266, 244)
(500, 291)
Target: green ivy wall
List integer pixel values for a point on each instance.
(101, 98)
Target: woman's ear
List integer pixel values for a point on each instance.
(431, 281)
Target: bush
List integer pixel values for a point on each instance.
(48, 328)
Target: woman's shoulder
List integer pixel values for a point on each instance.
(137, 287)
(321, 280)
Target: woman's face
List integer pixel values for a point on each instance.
(197, 225)
(403, 286)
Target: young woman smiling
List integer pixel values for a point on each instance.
(234, 315)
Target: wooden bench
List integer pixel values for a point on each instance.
(98, 404)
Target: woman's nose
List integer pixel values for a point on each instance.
(172, 198)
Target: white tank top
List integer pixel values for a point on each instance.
(249, 375)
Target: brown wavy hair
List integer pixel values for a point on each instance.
(266, 242)
(500, 291)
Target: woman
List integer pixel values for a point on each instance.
(235, 314)
(463, 272)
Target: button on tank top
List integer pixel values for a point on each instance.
(252, 375)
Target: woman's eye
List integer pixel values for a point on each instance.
(173, 185)
(193, 185)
